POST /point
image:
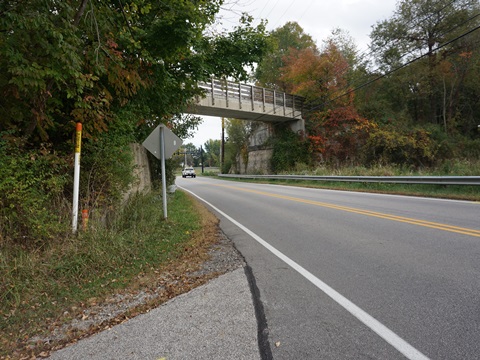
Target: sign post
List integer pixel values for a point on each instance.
(164, 177)
(162, 143)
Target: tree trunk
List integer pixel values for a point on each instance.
(80, 12)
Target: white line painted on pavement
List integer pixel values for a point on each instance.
(385, 333)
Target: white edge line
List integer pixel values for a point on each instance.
(381, 330)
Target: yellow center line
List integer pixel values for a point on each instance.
(424, 223)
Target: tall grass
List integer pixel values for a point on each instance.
(38, 285)
(458, 167)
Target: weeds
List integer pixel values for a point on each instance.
(37, 286)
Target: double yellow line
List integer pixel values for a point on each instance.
(424, 223)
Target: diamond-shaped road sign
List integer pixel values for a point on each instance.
(172, 142)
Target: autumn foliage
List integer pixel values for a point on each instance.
(315, 75)
(335, 129)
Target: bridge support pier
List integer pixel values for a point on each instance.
(298, 126)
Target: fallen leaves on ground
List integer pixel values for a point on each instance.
(161, 284)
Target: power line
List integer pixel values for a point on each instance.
(364, 54)
(264, 6)
(411, 27)
(305, 11)
(381, 76)
(396, 69)
(441, 35)
(273, 7)
(288, 8)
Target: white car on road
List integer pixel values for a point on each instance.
(189, 171)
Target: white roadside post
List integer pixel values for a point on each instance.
(76, 176)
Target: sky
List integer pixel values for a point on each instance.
(317, 18)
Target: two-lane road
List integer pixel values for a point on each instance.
(345, 275)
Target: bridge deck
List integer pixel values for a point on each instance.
(247, 102)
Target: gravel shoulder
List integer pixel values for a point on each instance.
(211, 255)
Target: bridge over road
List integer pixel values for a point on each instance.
(225, 98)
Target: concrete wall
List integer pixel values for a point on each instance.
(258, 154)
(141, 171)
(259, 162)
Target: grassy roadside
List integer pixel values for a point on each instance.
(44, 288)
(457, 168)
(454, 192)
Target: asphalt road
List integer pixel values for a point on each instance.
(345, 275)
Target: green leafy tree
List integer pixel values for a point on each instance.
(120, 68)
(419, 27)
(64, 62)
(212, 152)
(283, 40)
(238, 132)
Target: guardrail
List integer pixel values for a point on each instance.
(247, 95)
(433, 180)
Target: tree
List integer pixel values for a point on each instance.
(63, 62)
(317, 77)
(120, 68)
(418, 28)
(346, 45)
(191, 155)
(283, 40)
(238, 132)
(335, 129)
(212, 152)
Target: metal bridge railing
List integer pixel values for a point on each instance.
(249, 95)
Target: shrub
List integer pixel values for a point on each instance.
(288, 150)
(227, 166)
(156, 171)
(415, 148)
(469, 148)
(106, 172)
(31, 194)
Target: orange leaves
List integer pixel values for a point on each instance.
(93, 110)
(340, 133)
(112, 48)
(300, 71)
(466, 54)
(314, 75)
(126, 81)
(124, 76)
